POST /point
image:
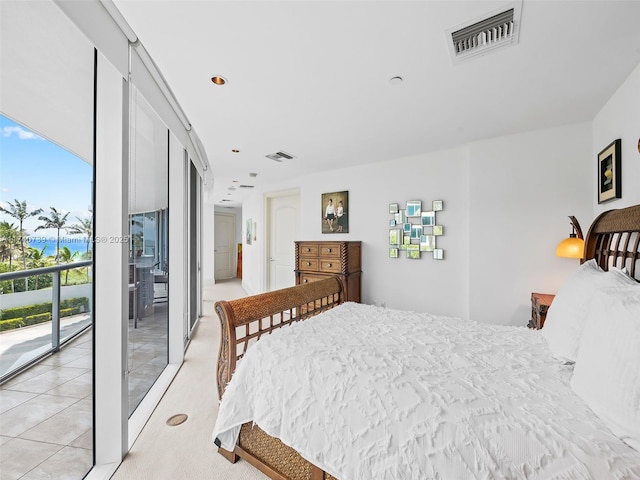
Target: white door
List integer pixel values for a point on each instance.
(283, 231)
(224, 249)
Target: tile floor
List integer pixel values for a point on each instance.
(46, 412)
(46, 417)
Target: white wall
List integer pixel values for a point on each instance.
(254, 255)
(620, 118)
(506, 203)
(44, 295)
(523, 188)
(424, 284)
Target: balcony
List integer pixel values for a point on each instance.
(46, 394)
(46, 391)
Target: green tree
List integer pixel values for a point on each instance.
(85, 228)
(37, 260)
(55, 220)
(20, 212)
(9, 243)
(67, 257)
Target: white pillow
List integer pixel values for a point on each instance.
(607, 371)
(566, 315)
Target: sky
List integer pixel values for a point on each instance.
(43, 174)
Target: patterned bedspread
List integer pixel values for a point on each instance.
(365, 392)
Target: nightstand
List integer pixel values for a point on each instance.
(540, 303)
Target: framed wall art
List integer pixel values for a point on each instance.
(609, 174)
(249, 232)
(335, 212)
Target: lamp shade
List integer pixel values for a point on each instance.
(571, 247)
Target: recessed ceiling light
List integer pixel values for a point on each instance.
(253, 174)
(395, 80)
(218, 80)
(235, 150)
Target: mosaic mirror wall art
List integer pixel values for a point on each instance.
(414, 230)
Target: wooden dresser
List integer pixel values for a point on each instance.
(316, 260)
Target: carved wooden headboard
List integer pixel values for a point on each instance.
(614, 240)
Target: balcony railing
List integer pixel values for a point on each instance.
(22, 347)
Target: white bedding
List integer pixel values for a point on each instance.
(365, 392)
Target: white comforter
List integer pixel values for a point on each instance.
(370, 393)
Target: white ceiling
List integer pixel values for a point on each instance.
(311, 78)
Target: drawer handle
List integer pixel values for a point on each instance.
(329, 250)
(308, 264)
(308, 249)
(329, 265)
(305, 280)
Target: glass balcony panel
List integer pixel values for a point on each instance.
(26, 324)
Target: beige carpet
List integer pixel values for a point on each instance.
(187, 451)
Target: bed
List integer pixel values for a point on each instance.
(359, 392)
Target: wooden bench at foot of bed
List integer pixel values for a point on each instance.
(243, 322)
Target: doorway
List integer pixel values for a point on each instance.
(224, 249)
(283, 220)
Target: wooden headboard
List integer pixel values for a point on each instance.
(614, 240)
(246, 319)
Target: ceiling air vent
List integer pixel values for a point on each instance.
(245, 186)
(495, 30)
(279, 156)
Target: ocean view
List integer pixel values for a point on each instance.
(74, 245)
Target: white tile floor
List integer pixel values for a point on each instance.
(46, 412)
(46, 417)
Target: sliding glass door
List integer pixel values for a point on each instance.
(147, 346)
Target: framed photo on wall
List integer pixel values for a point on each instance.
(335, 212)
(249, 232)
(609, 175)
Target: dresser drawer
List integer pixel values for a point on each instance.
(306, 278)
(318, 259)
(309, 250)
(330, 266)
(330, 250)
(309, 264)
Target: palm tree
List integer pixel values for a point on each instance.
(19, 211)
(9, 242)
(67, 257)
(37, 260)
(85, 228)
(57, 221)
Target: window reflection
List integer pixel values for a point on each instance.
(148, 258)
